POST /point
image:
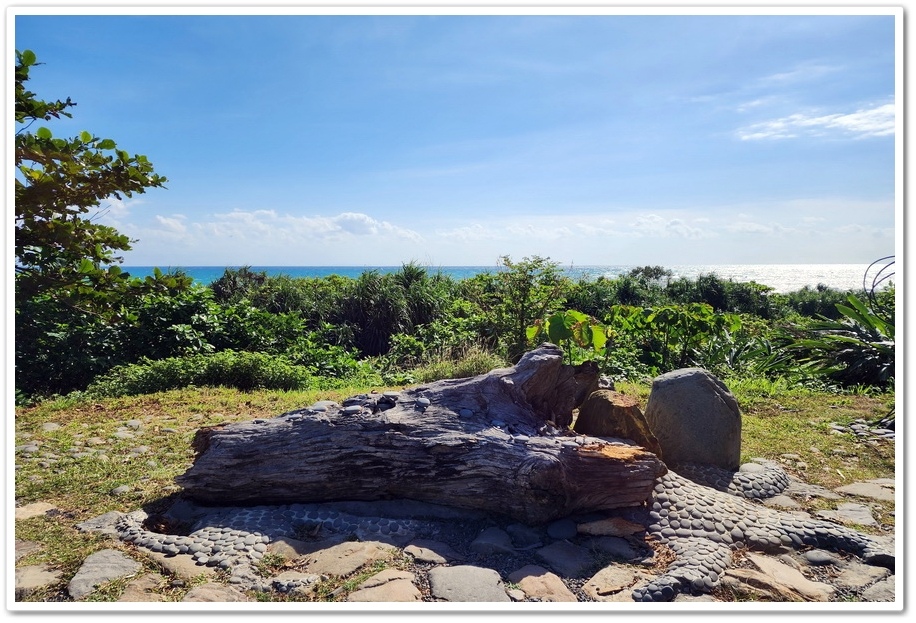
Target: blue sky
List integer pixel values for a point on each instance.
(452, 140)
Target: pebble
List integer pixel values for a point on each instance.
(819, 557)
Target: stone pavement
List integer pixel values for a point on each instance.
(403, 551)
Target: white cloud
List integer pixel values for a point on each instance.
(863, 123)
(175, 224)
(268, 224)
(470, 233)
(803, 72)
(749, 228)
(757, 103)
(656, 226)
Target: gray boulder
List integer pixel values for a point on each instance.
(695, 419)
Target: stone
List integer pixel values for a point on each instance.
(182, 566)
(24, 548)
(492, 541)
(607, 413)
(781, 501)
(819, 557)
(856, 575)
(804, 490)
(213, 592)
(516, 594)
(463, 583)
(295, 582)
(562, 529)
(684, 598)
(142, 589)
(609, 582)
(345, 558)
(31, 578)
(524, 537)
(567, 559)
(292, 549)
(36, 509)
(792, 578)
(539, 583)
(100, 568)
(867, 490)
(617, 547)
(695, 419)
(431, 552)
(757, 582)
(103, 524)
(880, 591)
(849, 513)
(390, 585)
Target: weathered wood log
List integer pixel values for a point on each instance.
(486, 442)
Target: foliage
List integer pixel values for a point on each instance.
(72, 298)
(568, 329)
(241, 370)
(328, 361)
(515, 297)
(651, 273)
(410, 325)
(673, 336)
(60, 251)
(856, 349)
(241, 326)
(61, 348)
(237, 284)
(472, 361)
(813, 302)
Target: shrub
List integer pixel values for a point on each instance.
(241, 370)
(473, 361)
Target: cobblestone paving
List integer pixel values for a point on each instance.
(700, 523)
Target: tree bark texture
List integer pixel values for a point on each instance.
(487, 442)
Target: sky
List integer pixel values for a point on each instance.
(376, 140)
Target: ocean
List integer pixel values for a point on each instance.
(781, 277)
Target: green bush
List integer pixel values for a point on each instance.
(474, 361)
(241, 370)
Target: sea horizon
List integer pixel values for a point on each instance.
(782, 277)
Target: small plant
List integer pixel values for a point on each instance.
(571, 328)
(270, 564)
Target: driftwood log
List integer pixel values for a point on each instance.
(498, 442)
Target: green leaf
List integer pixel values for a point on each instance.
(557, 329)
(85, 136)
(28, 58)
(86, 266)
(599, 337)
(43, 133)
(106, 144)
